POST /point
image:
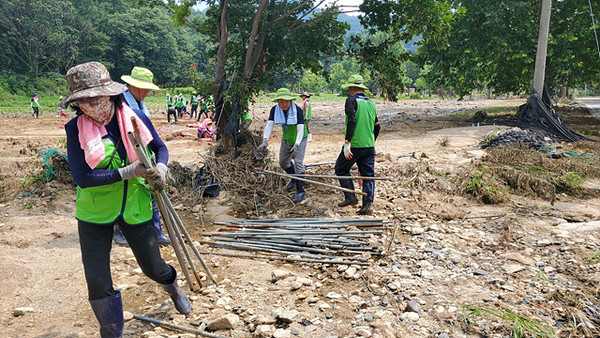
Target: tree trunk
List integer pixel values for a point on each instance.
(222, 36)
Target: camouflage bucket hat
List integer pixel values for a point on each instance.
(90, 79)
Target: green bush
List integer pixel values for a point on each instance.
(415, 96)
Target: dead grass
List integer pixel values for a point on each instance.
(530, 172)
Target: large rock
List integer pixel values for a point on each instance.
(227, 322)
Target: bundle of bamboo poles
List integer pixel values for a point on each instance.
(175, 228)
(318, 240)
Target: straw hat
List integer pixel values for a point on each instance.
(355, 81)
(305, 94)
(90, 79)
(283, 94)
(141, 78)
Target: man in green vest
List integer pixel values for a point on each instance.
(194, 102)
(362, 129)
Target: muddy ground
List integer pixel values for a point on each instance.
(527, 255)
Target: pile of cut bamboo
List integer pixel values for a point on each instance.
(315, 240)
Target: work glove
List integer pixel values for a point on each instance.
(159, 181)
(294, 150)
(347, 151)
(131, 171)
(263, 145)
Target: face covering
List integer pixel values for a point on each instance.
(100, 109)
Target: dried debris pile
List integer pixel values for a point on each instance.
(333, 241)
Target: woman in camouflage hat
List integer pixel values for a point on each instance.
(113, 188)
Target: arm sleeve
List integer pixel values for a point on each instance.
(268, 129)
(350, 110)
(84, 176)
(299, 125)
(300, 134)
(376, 128)
(157, 145)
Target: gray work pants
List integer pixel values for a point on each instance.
(285, 156)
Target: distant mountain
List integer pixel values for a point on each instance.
(355, 25)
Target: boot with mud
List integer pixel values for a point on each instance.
(366, 209)
(180, 300)
(109, 312)
(300, 192)
(349, 199)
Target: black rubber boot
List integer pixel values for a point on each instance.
(300, 192)
(349, 199)
(180, 300)
(109, 312)
(366, 209)
(292, 183)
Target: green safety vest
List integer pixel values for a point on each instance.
(179, 102)
(169, 101)
(363, 137)
(194, 100)
(290, 131)
(307, 112)
(103, 204)
(34, 104)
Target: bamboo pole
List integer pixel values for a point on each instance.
(143, 158)
(169, 213)
(177, 327)
(346, 177)
(289, 259)
(314, 182)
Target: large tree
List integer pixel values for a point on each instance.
(491, 44)
(33, 34)
(259, 39)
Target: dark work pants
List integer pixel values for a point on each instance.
(194, 110)
(96, 241)
(36, 112)
(365, 160)
(171, 111)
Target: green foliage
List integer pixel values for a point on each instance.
(492, 44)
(484, 184)
(593, 258)
(415, 96)
(521, 326)
(381, 54)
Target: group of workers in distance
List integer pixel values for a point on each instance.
(177, 106)
(114, 190)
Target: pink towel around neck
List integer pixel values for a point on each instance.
(90, 136)
(124, 118)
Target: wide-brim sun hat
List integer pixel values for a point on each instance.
(355, 80)
(283, 94)
(90, 79)
(141, 78)
(305, 94)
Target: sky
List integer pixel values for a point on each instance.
(341, 3)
